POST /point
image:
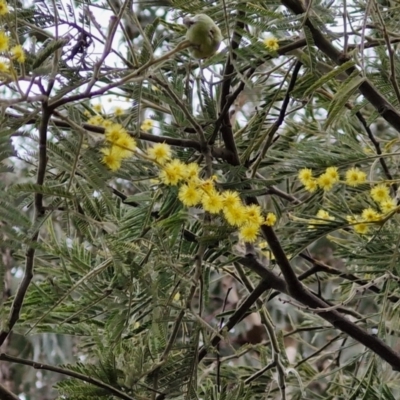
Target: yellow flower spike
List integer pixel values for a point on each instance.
(231, 198)
(322, 214)
(97, 107)
(192, 171)
(369, 214)
(362, 228)
(311, 186)
(253, 214)
(160, 152)
(173, 172)
(270, 219)
(147, 125)
(333, 173)
(355, 177)
(212, 202)
(190, 195)
(96, 120)
(305, 175)
(118, 111)
(114, 132)
(127, 144)
(236, 215)
(3, 41)
(249, 232)
(4, 67)
(111, 158)
(3, 7)
(326, 182)
(380, 193)
(387, 205)
(106, 123)
(207, 185)
(18, 53)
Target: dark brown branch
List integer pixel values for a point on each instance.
(319, 266)
(5, 394)
(72, 374)
(241, 312)
(39, 211)
(226, 127)
(188, 143)
(306, 298)
(367, 89)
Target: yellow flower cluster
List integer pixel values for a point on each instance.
(380, 194)
(329, 178)
(195, 191)
(353, 177)
(15, 53)
(122, 146)
(325, 181)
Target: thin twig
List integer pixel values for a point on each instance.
(67, 372)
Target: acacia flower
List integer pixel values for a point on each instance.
(106, 123)
(270, 219)
(369, 214)
(231, 198)
(147, 125)
(326, 182)
(3, 41)
(322, 214)
(97, 107)
(253, 214)
(249, 232)
(236, 215)
(3, 7)
(271, 43)
(333, 173)
(127, 144)
(4, 67)
(173, 172)
(362, 228)
(311, 186)
(160, 152)
(115, 132)
(192, 171)
(18, 53)
(387, 205)
(380, 193)
(118, 111)
(305, 175)
(208, 185)
(355, 177)
(190, 195)
(212, 202)
(111, 158)
(96, 120)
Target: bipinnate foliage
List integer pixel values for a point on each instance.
(217, 229)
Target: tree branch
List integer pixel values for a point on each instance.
(304, 296)
(368, 90)
(72, 374)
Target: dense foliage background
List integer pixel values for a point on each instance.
(112, 288)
